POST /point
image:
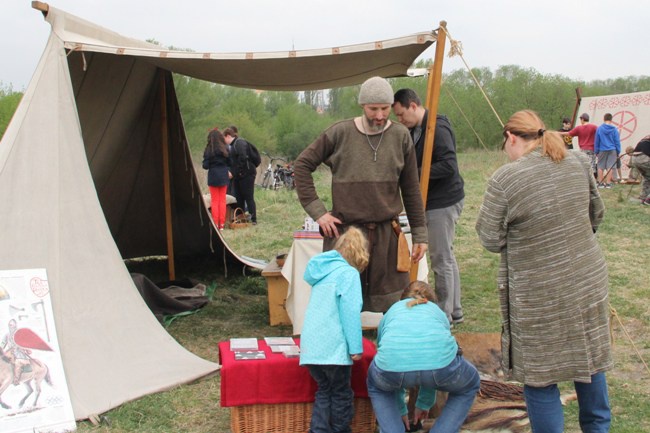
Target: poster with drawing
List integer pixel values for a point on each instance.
(630, 114)
(33, 391)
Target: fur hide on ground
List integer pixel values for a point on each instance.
(499, 406)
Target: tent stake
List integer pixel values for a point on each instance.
(166, 178)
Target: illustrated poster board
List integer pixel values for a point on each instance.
(630, 114)
(27, 332)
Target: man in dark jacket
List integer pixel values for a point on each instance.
(243, 172)
(444, 199)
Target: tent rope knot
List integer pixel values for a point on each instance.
(455, 48)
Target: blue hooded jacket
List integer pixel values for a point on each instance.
(607, 138)
(332, 328)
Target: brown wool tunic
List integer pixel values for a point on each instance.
(552, 281)
(367, 193)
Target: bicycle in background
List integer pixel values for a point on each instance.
(278, 177)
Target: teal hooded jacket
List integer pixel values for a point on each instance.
(331, 331)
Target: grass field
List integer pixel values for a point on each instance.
(239, 306)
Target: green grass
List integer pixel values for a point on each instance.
(239, 306)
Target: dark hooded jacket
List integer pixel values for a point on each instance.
(446, 186)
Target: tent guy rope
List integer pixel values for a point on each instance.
(457, 50)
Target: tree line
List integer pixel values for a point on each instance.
(284, 123)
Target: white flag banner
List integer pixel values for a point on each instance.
(630, 113)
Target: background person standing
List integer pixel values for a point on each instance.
(607, 147)
(243, 172)
(552, 279)
(586, 133)
(566, 127)
(445, 197)
(374, 177)
(640, 159)
(217, 162)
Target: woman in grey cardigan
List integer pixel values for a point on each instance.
(540, 213)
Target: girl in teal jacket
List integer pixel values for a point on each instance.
(331, 333)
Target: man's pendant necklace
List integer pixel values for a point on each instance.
(374, 148)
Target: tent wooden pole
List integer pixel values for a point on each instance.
(166, 177)
(433, 95)
(40, 6)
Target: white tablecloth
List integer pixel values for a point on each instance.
(299, 291)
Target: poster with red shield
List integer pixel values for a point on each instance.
(33, 391)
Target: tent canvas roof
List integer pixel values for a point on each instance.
(279, 70)
(81, 183)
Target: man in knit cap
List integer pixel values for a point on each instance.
(374, 170)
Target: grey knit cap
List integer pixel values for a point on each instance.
(376, 90)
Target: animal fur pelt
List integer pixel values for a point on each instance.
(499, 406)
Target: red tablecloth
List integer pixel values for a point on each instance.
(278, 379)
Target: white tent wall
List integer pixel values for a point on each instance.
(113, 348)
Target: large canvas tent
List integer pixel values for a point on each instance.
(95, 169)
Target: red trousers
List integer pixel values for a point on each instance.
(218, 205)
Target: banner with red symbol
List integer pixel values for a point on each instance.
(630, 113)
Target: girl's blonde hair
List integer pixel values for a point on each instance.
(528, 125)
(421, 293)
(353, 246)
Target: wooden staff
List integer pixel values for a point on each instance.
(575, 109)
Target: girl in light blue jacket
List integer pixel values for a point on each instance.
(331, 333)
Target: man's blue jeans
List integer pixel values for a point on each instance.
(547, 415)
(460, 379)
(334, 401)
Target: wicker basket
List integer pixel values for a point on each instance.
(239, 220)
(292, 417)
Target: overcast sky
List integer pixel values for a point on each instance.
(580, 39)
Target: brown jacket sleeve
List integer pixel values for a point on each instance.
(308, 161)
(412, 197)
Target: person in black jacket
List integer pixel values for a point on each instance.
(445, 197)
(216, 160)
(243, 172)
